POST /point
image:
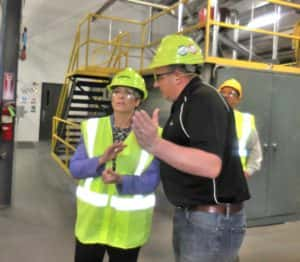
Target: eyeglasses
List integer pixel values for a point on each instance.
(230, 94)
(158, 77)
(127, 93)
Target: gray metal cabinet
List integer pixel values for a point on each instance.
(284, 145)
(275, 101)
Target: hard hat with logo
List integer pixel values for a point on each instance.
(234, 84)
(131, 79)
(177, 49)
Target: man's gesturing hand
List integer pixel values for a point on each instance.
(145, 129)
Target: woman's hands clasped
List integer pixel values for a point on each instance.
(111, 152)
(111, 177)
(108, 175)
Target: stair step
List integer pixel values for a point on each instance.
(74, 122)
(92, 84)
(88, 101)
(88, 93)
(83, 76)
(73, 137)
(61, 146)
(84, 109)
(101, 114)
(73, 129)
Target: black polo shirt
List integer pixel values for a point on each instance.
(200, 118)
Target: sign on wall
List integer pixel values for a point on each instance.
(28, 111)
(8, 86)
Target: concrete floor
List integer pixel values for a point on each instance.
(39, 225)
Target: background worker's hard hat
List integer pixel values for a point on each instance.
(131, 79)
(234, 84)
(177, 49)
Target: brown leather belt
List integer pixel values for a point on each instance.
(225, 209)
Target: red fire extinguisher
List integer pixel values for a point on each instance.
(202, 14)
(7, 124)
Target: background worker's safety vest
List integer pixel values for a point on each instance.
(104, 216)
(244, 123)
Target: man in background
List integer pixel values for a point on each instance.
(249, 143)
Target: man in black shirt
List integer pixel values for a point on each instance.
(200, 167)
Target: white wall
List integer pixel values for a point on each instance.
(50, 36)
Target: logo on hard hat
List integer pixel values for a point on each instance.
(193, 49)
(184, 50)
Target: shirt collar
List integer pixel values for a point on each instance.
(189, 89)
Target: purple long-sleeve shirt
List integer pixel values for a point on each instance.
(81, 166)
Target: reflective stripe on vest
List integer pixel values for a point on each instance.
(246, 131)
(92, 125)
(136, 202)
(83, 192)
(142, 163)
(243, 122)
(86, 195)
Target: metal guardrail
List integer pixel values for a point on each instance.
(65, 141)
(250, 64)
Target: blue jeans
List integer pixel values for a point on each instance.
(205, 237)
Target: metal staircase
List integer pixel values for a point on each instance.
(88, 98)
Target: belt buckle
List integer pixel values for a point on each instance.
(227, 209)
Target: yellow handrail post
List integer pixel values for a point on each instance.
(88, 40)
(207, 29)
(52, 133)
(143, 36)
(67, 148)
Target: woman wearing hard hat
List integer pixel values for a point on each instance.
(117, 179)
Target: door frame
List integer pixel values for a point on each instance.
(47, 84)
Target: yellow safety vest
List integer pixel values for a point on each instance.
(244, 123)
(104, 216)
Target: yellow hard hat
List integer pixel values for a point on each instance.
(234, 84)
(131, 79)
(177, 49)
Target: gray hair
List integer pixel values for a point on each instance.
(186, 68)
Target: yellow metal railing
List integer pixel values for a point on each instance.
(284, 68)
(64, 141)
(121, 41)
(227, 61)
